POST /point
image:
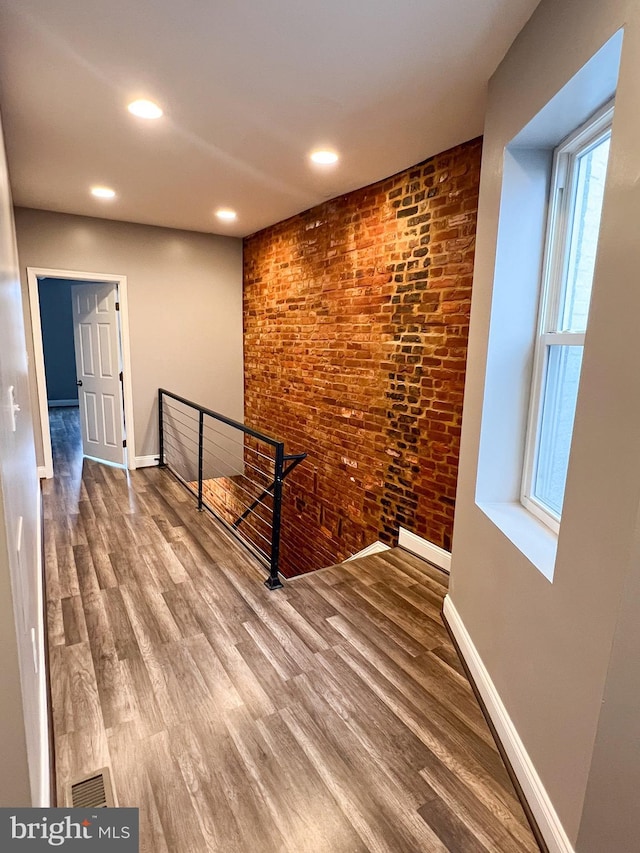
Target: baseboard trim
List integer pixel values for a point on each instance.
(545, 818)
(47, 780)
(59, 404)
(425, 549)
(374, 548)
(145, 461)
(44, 473)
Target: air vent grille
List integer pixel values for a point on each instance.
(93, 792)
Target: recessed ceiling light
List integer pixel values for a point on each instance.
(226, 214)
(144, 109)
(103, 192)
(324, 157)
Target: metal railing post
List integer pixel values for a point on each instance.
(200, 458)
(237, 486)
(161, 462)
(273, 581)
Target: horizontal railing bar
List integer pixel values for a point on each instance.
(252, 496)
(177, 448)
(266, 523)
(267, 475)
(187, 485)
(173, 412)
(183, 410)
(177, 436)
(251, 487)
(244, 505)
(173, 432)
(261, 535)
(169, 424)
(177, 432)
(172, 418)
(222, 418)
(240, 452)
(253, 547)
(294, 460)
(256, 550)
(184, 482)
(182, 454)
(256, 503)
(180, 470)
(230, 436)
(194, 433)
(241, 445)
(252, 474)
(231, 473)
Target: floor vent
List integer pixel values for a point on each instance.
(93, 792)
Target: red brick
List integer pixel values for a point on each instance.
(351, 356)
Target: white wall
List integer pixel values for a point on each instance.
(24, 773)
(547, 645)
(185, 305)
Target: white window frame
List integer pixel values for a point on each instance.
(562, 201)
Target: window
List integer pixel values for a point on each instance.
(542, 193)
(577, 190)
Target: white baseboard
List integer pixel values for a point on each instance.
(145, 461)
(57, 404)
(374, 548)
(42, 797)
(425, 549)
(531, 784)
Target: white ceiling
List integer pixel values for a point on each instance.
(249, 87)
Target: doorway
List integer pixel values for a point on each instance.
(99, 288)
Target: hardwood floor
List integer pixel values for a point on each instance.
(332, 716)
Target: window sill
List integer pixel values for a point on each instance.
(530, 536)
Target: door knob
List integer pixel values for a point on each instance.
(79, 382)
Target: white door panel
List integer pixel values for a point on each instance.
(106, 361)
(90, 432)
(110, 416)
(96, 335)
(86, 351)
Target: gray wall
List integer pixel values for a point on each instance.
(57, 339)
(547, 645)
(23, 753)
(185, 305)
(610, 820)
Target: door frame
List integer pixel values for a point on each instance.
(33, 276)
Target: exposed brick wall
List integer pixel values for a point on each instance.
(356, 322)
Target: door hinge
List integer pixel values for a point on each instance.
(124, 442)
(117, 306)
(121, 377)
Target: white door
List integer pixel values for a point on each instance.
(97, 342)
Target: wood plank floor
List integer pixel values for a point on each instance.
(332, 716)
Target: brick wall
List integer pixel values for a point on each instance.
(356, 322)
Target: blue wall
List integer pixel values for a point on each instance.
(57, 338)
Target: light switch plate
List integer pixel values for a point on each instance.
(13, 407)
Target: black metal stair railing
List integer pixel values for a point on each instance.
(236, 473)
(295, 459)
